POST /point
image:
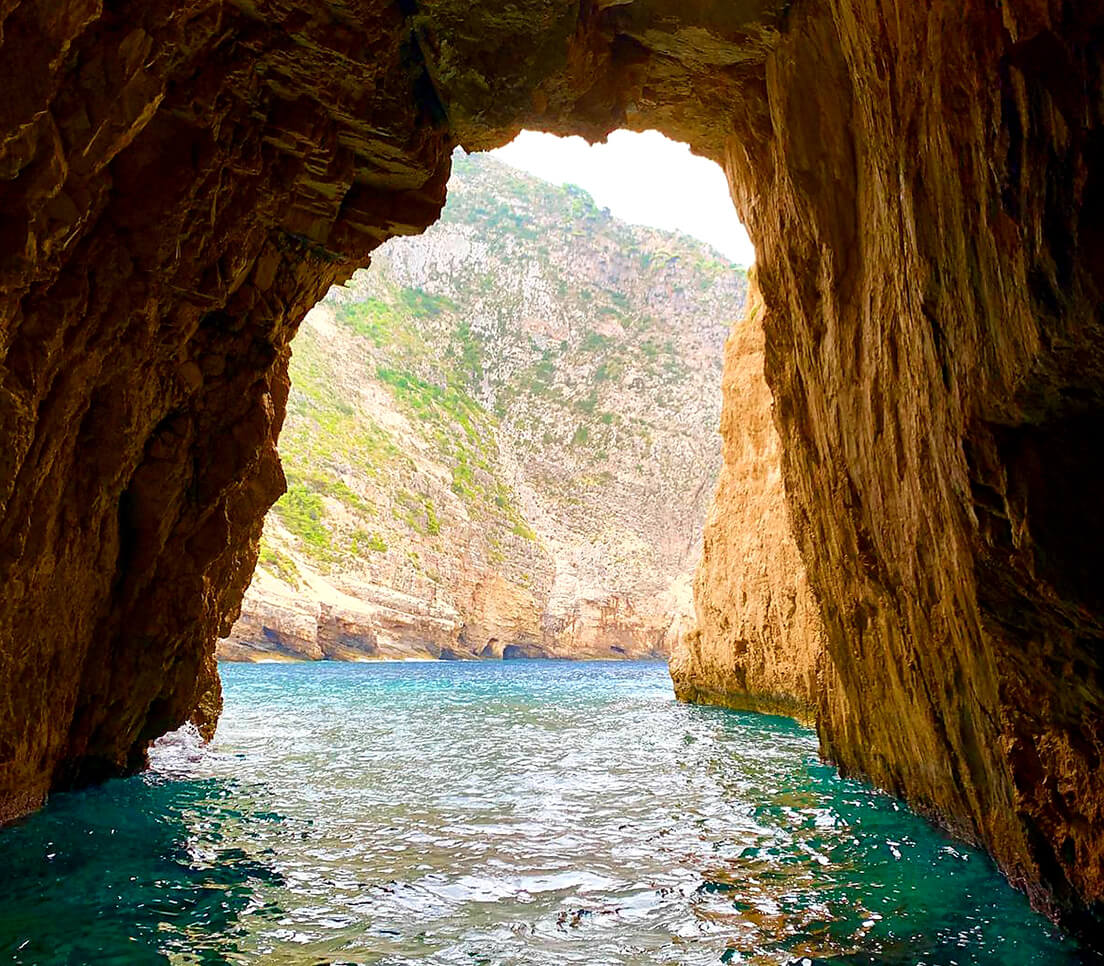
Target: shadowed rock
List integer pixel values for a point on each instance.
(925, 187)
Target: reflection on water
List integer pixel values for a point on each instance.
(497, 814)
(147, 870)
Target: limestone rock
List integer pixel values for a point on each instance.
(513, 417)
(182, 181)
(758, 643)
(317, 621)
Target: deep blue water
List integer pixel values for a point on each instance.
(497, 813)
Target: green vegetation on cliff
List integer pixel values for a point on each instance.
(530, 380)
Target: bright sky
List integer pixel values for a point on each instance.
(645, 179)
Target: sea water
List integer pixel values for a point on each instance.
(496, 813)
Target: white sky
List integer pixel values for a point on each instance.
(645, 179)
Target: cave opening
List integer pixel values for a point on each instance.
(501, 439)
(180, 183)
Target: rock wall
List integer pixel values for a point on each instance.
(925, 186)
(758, 641)
(926, 220)
(317, 621)
(179, 183)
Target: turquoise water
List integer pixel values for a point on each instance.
(498, 813)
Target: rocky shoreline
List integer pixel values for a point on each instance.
(485, 462)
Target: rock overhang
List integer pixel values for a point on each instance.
(182, 181)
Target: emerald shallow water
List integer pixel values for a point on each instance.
(498, 813)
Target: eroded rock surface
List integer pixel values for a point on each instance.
(758, 641)
(181, 182)
(925, 186)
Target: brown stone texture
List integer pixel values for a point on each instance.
(926, 210)
(180, 181)
(758, 642)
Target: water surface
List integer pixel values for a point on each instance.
(496, 814)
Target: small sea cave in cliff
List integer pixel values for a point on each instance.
(487, 433)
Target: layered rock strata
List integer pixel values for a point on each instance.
(925, 187)
(315, 621)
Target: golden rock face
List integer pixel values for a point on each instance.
(180, 182)
(758, 643)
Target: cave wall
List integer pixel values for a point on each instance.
(925, 215)
(180, 181)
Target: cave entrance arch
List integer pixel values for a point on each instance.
(226, 177)
(921, 181)
(501, 438)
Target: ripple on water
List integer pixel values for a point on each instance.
(499, 814)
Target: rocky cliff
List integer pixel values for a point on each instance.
(757, 642)
(182, 181)
(500, 439)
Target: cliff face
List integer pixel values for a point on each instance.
(924, 183)
(505, 430)
(933, 344)
(166, 190)
(758, 642)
